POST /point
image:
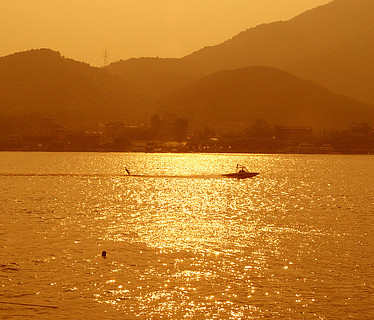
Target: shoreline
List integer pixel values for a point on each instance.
(193, 152)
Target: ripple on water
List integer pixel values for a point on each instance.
(292, 243)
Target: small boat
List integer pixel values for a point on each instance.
(241, 173)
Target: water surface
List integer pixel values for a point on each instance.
(295, 242)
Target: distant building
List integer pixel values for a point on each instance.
(114, 128)
(162, 129)
(363, 129)
(293, 136)
(83, 140)
(308, 148)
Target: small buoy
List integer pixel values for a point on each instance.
(103, 254)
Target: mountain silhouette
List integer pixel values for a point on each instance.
(42, 81)
(239, 80)
(246, 94)
(153, 77)
(331, 45)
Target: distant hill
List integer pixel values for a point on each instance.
(153, 77)
(248, 94)
(331, 45)
(44, 82)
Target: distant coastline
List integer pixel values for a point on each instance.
(301, 152)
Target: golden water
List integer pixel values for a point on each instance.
(295, 242)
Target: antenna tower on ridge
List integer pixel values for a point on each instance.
(105, 56)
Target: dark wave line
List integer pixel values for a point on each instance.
(199, 176)
(86, 175)
(58, 175)
(28, 304)
(104, 175)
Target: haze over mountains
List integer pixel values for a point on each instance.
(246, 94)
(259, 73)
(44, 82)
(332, 45)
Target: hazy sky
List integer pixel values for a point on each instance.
(82, 29)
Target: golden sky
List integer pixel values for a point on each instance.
(82, 29)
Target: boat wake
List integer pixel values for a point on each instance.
(196, 176)
(58, 175)
(85, 175)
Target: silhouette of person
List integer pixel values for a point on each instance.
(239, 168)
(103, 254)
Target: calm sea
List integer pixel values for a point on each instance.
(295, 242)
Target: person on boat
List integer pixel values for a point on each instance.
(127, 170)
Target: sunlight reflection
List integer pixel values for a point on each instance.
(196, 245)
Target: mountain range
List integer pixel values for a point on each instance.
(44, 82)
(244, 95)
(331, 45)
(316, 69)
